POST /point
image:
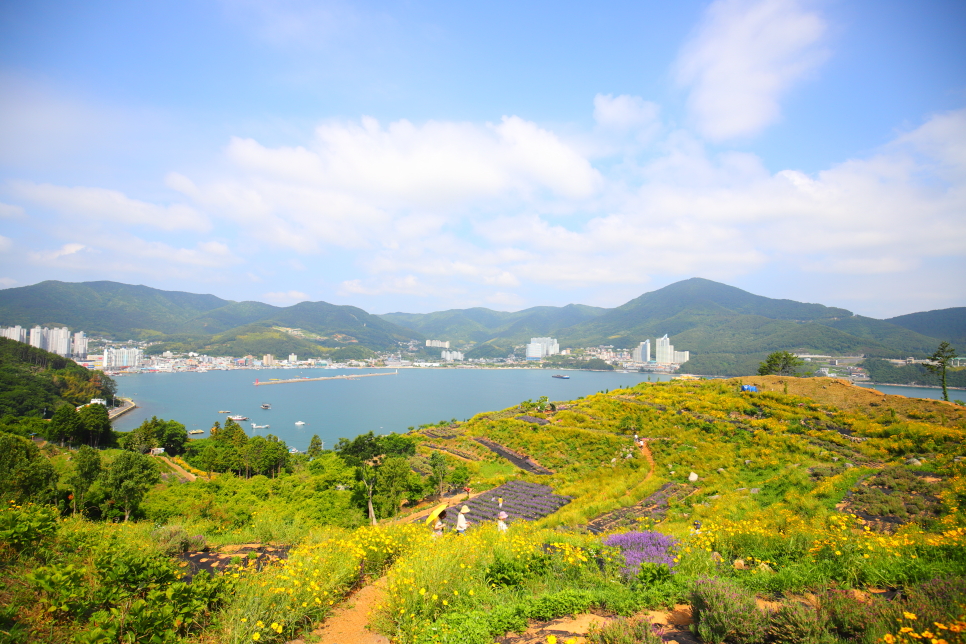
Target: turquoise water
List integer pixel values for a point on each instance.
(347, 408)
(918, 392)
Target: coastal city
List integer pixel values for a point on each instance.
(119, 358)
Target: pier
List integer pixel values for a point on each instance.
(346, 377)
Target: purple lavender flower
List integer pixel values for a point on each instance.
(641, 547)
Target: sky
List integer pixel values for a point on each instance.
(419, 156)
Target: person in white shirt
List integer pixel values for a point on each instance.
(501, 521)
(461, 522)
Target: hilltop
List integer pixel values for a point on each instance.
(804, 487)
(727, 330)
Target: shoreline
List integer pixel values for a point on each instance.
(893, 384)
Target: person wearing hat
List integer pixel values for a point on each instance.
(461, 522)
(501, 521)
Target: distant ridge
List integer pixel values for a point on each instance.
(727, 330)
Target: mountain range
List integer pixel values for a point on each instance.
(727, 330)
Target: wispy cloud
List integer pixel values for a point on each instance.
(286, 296)
(741, 60)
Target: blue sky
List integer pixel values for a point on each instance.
(419, 156)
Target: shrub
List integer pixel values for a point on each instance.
(724, 611)
(853, 619)
(643, 547)
(798, 623)
(624, 631)
(25, 527)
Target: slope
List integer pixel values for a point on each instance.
(945, 324)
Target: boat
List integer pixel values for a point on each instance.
(238, 418)
(224, 411)
(254, 426)
(561, 376)
(292, 450)
(197, 431)
(299, 422)
(266, 406)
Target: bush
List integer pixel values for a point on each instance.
(797, 623)
(853, 619)
(624, 631)
(25, 527)
(724, 611)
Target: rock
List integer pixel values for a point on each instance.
(755, 490)
(849, 465)
(692, 477)
(739, 564)
(721, 470)
(763, 567)
(748, 461)
(672, 471)
(835, 458)
(741, 489)
(913, 461)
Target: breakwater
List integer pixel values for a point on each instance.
(342, 377)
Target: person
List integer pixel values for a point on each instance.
(439, 526)
(499, 501)
(697, 528)
(461, 523)
(501, 521)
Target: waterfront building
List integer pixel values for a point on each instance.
(268, 360)
(680, 357)
(122, 357)
(642, 353)
(292, 358)
(451, 356)
(664, 351)
(548, 347)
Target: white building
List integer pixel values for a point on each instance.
(438, 344)
(292, 358)
(268, 360)
(664, 351)
(540, 348)
(123, 357)
(16, 333)
(451, 356)
(38, 337)
(680, 357)
(80, 345)
(58, 341)
(642, 353)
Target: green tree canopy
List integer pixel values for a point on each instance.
(97, 424)
(66, 425)
(780, 363)
(87, 467)
(25, 474)
(940, 360)
(129, 478)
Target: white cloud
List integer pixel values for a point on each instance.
(742, 58)
(48, 256)
(624, 112)
(286, 296)
(5, 244)
(10, 211)
(93, 204)
(7, 282)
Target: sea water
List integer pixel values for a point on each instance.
(347, 408)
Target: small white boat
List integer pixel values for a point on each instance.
(299, 422)
(238, 418)
(197, 431)
(254, 426)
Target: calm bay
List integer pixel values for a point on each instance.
(347, 408)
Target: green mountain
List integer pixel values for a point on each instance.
(481, 325)
(946, 324)
(190, 322)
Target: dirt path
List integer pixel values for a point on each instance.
(177, 468)
(348, 624)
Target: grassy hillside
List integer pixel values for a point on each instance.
(806, 488)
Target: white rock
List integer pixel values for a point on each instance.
(692, 477)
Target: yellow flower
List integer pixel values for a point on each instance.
(909, 615)
(259, 624)
(256, 636)
(551, 639)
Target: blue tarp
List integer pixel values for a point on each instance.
(749, 388)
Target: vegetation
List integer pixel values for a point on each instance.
(780, 363)
(911, 374)
(783, 480)
(941, 359)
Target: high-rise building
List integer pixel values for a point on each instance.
(450, 356)
(58, 341)
(122, 357)
(292, 358)
(438, 344)
(268, 360)
(38, 337)
(549, 347)
(680, 357)
(16, 333)
(664, 351)
(642, 353)
(80, 345)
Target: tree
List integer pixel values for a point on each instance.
(940, 360)
(97, 423)
(366, 473)
(87, 467)
(392, 485)
(66, 425)
(315, 447)
(209, 459)
(129, 478)
(25, 474)
(439, 472)
(780, 363)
